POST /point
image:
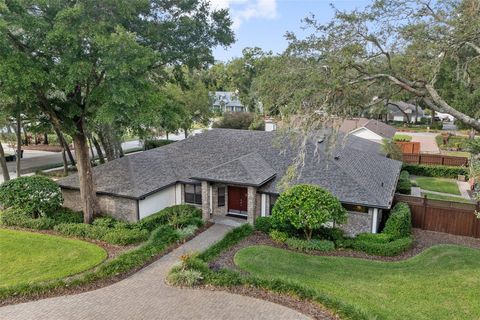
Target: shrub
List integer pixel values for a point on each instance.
(184, 277)
(310, 245)
(235, 120)
(435, 171)
(307, 208)
(35, 194)
(65, 215)
(278, 236)
(106, 222)
(187, 231)
(402, 137)
(125, 236)
(263, 224)
(392, 248)
(332, 234)
(399, 223)
(81, 230)
(15, 217)
(192, 214)
(154, 143)
(404, 185)
(375, 237)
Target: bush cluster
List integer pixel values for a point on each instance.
(402, 137)
(435, 171)
(404, 185)
(122, 236)
(36, 195)
(332, 234)
(278, 236)
(310, 245)
(178, 216)
(375, 246)
(17, 217)
(399, 224)
(263, 224)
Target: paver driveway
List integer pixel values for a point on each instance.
(145, 295)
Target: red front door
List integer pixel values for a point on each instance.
(237, 199)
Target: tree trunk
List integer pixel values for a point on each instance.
(107, 147)
(92, 153)
(64, 156)
(84, 167)
(185, 132)
(99, 150)
(19, 144)
(45, 138)
(3, 164)
(166, 133)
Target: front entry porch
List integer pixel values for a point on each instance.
(222, 200)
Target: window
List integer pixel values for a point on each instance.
(221, 196)
(193, 193)
(355, 208)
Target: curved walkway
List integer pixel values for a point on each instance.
(145, 295)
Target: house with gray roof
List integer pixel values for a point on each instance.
(241, 173)
(225, 101)
(369, 129)
(404, 112)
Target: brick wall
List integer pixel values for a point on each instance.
(358, 222)
(117, 207)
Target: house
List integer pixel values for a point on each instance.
(369, 129)
(224, 101)
(404, 112)
(239, 173)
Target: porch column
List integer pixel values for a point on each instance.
(251, 204)
(205, 201)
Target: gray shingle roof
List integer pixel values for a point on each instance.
(250, 169)
(394, 106)
(352, 168)
(382, 129)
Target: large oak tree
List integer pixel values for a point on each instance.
(83, 60)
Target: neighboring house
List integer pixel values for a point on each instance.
(238, 172)
(224, 101)
(404, 112)
(369, 129)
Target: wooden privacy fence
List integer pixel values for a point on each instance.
(443, 216)
(435, 159)
(408, 147)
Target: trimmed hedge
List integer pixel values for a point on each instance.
(82, 230)
(379, 248)
(399, 223)
(278, 236)
(435, 171)
(14, 217)
(263, 224)
(404, 185)
(310, 245)
(333, 234)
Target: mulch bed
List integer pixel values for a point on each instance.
(101, 283)
(422, 240)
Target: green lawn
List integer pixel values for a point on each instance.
(435, 196)
(441, 283)
(438, 185)
(32, 257)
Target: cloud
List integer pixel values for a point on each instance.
(244, 10)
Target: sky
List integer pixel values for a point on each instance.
(263, 23)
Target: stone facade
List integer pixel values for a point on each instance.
(206, 213)
(251, 204)
(117, 207)
(215, 208)
(358, 222)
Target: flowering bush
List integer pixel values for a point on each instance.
(36, 195)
